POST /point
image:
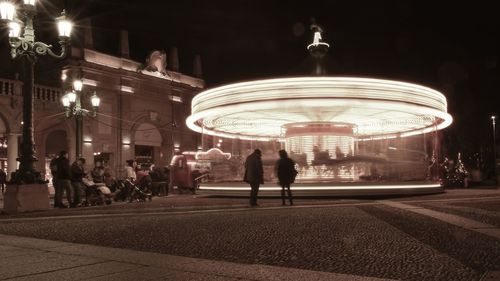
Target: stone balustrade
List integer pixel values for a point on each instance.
(40, 93)
(7, 87)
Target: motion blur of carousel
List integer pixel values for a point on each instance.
(348, 135)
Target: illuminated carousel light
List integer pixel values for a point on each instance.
(329, 126)
(346, 135)
(377, 108)
(312, 188)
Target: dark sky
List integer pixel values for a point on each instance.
(452, 46)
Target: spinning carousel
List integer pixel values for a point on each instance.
(348, 135)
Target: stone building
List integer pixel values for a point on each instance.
(141, 116)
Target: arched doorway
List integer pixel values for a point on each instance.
(147, 141)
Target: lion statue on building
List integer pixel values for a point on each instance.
(156, 62)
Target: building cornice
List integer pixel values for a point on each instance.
(132, 67)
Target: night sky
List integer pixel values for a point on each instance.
(448, 45)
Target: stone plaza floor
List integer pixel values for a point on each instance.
(449, 236)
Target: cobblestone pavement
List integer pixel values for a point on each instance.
(358, 237)
(486, 211)
(175, 203)
(476, 251)
(31, 259)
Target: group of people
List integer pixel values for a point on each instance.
(156, 178)
(72, 179)
(284, 170)
(67, 179)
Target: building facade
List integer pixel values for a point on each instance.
(141, 115)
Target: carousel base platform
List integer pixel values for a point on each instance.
(346, 189)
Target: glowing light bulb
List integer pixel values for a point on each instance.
(7, 11)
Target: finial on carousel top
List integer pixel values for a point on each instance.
(318, 39)
(318, 49)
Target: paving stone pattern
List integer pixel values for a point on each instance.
(476, 251)
(369, 241)
(481, 212)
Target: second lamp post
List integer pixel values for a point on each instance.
(72, 103)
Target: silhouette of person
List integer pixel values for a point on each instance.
(285, 170)
(63, 176)
(3, 180)
(77, 173)
(254, 174)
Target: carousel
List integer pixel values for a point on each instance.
(347, 135)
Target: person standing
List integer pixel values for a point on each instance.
(63, 181)
(254, 174)
(77, 174)
(130, 170)
(3, 179)
(53, 171)
(285, 170)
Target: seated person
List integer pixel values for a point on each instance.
(143, 178)
(98, 174)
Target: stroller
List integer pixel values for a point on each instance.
(140, 191)
(96, 193)
(121, 190)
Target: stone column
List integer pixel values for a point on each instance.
(124, 44)
(12, 153)
(197, 69)
(88, 38)
(173, 59)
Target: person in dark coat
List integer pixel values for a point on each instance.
(254, 174)
(285, 170)
(3, 180)
(63, 176)
(77, 174)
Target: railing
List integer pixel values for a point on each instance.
(41, 93)
(48, 94)
(7, 87)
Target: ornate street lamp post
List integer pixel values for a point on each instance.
(73, 108)
(26, 50)
(493, 122)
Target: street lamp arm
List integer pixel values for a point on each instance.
(84, 112)
(21, 46)
(16, 45)
(44, 49)
(92, 113)
(79, 112)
